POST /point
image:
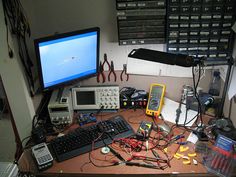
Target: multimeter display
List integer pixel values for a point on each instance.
(155, 100)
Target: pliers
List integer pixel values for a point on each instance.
(124, 71)
(106, 62)
(101, 73)
(112, 71)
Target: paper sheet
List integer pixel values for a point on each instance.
(169, 112)
(232, 85)
(192, 138)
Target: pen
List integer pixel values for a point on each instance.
(141, 165)
(116, 154)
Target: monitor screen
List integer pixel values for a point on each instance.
(63, 58)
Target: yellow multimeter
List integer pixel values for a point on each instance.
(155, 99)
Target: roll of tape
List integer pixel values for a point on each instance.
(105, 150)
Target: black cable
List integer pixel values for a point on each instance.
(153, 119)
(100, 110)
(17, 23)
(196, 95)
(186, 116)
(230, 108)
(90, 159)
(126, 92)
(24, 139)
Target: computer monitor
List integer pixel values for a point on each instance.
(64, 58)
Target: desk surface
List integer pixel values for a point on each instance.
(77, 166)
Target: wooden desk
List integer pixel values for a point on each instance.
(72, 167)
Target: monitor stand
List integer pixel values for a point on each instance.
(59, 94)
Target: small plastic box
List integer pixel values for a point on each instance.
(221, 159)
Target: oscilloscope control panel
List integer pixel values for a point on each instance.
(99, 97)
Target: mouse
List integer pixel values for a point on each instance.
(162, 127)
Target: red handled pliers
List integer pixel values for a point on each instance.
(106, 62)
(101, 73)
(112, 71)
(124, 72)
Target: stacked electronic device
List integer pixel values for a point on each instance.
(141, 22)
(200, 28)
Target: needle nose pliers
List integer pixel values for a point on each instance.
(112, 71)
(101, 73)
(106, 62)
(124, 72)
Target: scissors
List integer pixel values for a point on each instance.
(101, 73)
(124, 72)
(112, 71)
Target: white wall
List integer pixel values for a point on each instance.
(13, 80)
(58, 16)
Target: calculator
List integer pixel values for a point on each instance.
(42, 156)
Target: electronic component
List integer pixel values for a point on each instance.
(196, 28)
(205, 100)
(86, 118)
(38, 134)
(139, 94)
(144, 130)
(80, 140)
(42, 156)
(141, 22)
(93, 98)
(132, 98)
(156, 99)
(61, 111)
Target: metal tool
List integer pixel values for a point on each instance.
(101, 73)
(106, 62)
(112, 71)
(178, 110)
(124, 72)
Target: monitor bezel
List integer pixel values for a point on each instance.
(60, 36)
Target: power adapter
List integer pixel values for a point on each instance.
(38, 134)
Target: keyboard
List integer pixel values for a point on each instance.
(79, 141)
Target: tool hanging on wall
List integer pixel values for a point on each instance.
(112, 71)
(106, 62)
(101, 73)
(124, 72)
